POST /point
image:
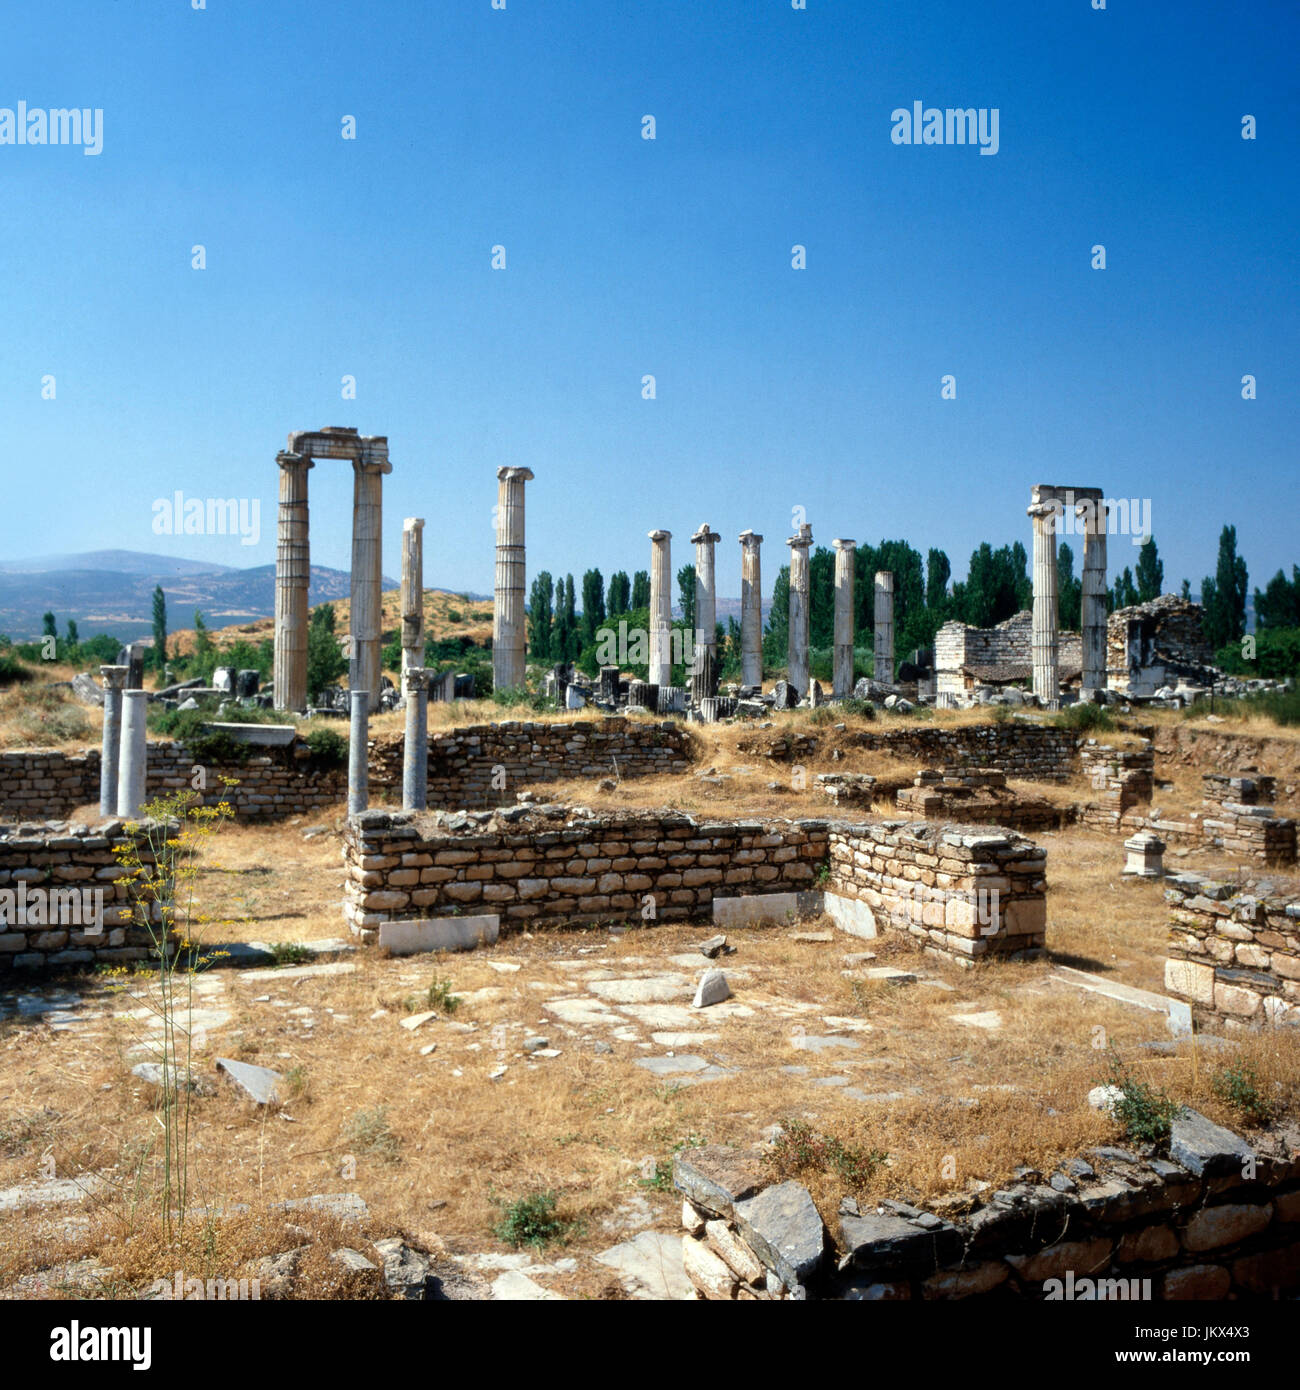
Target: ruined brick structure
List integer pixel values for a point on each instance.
(1150, 645)
(965, 657)
(1234, 955)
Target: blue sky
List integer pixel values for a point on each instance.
(776, 388)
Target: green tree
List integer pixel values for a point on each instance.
(541, 617)
(72, 638)
(1187, 588)
(1279, 605)
(1125, 593)
(49, 628)
(1150, 572)
(640, 590)
(1224, 596)
(776, 637)
(159, 628)
(938, 570)
(686, 588)
(1069, 590)
(821, 598)
(593, 605)
(620, 593)
(204, 660)
(325, 659)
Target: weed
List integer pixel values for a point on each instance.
(1238, 1085)
(367, 1132)
(439, 996)
(289, 953)
(532, 1220)
(800, 1149)
(1145, 1112)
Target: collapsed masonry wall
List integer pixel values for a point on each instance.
(1215, 1220)
(1022, 749)
(962, 892)
(50, 878)
(1149, 645)
(464, 765)
(45, 783)
(1123, 779)
(548, 865)
(980, 796)
(486, 764)
(1006, 649)
(964, 895)
(1233, 955)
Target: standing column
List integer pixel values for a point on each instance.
(1046, 683)
(415, 746)
(842, 670)
(412, 592)
(751, 610)
(661, 608)
(705, 663)
(508, 631)
(114, 681)
(884, 641)
(133, 754)
(367, 573)
(292, 578)
(797, 642)
(359, 752)
(1093, 609)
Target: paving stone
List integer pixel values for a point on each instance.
(53, 1193)
(419, 1020)
(809, 1042)
(655, 989)
(650, 1266)
(990, 1020)
(514, 1286)
(258, 1082)
(1204, 1148)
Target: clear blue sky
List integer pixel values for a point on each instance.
(776, 388)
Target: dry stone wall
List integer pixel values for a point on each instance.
(60, 906)
(1213, 1220)
(962, 892)
(484, 765)
(1234, 955)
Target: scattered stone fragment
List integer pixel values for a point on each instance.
(712, 989)
(353, 1261)
(782, 1227)
(419, 1020)
(258, 1082)
(1105, 1098)
(1205, 1148)
(814, 936)
(713, 946)
(536, 1044)
(428, 1049)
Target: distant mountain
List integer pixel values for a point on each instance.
(112, 591)
(117, 561)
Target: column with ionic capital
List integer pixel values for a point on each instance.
(842, 668)
(412, 592)
(800, 588)
(292, 579)
(705, 663)
(508, 623)
(751, 610)
(661, 608)
(884, 634)
(114, 684)
(415, 745)
(1044, 638)
(367, 572)
(1092, 612)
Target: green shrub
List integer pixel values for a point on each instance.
(857, 708)
(290, 953)
(439, 996)
(800, 1149)
(368, 1132)
(328, 748)
(532, 1220)
(521, 695)
(1238, 1085)
(188, 726)
(1085, 718)
(13, 671)
(49, 716)
(1145, 1112)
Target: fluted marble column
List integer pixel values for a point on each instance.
(1044, 641)
(114, 683)
(358, 752)
(367, 573)
(706, 601)
(1093, 609)
(415, 745)
(412, 592)
(661, 608)
(884, 636)
(800, 590)
(751, 609)
(508, 624)
(133, 754)
(842, 669)
(292, 579)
